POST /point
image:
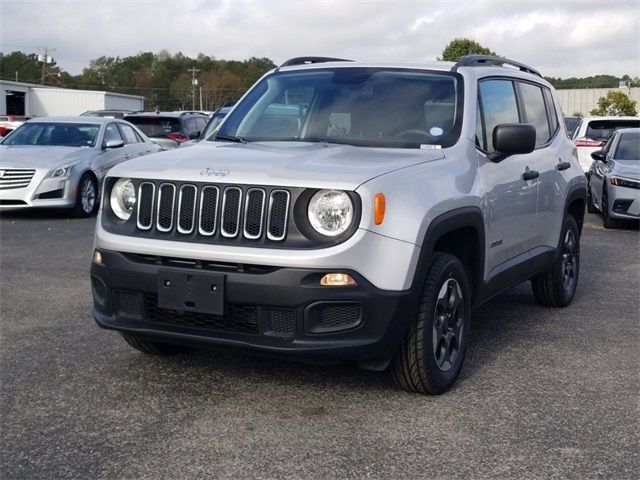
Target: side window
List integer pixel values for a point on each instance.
(190, 125)
(128, 134)
(551, 110)
(535, 111)
(200, 124)
(499, 105)
(480, 140)
(112, 133)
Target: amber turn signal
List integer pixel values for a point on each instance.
(337, 280)
(379, 207)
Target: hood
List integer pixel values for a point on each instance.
(626, 168)
(35, 156)
(301, 164)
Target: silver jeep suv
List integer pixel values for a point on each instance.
(348, 211)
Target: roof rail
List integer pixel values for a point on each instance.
(490, 60)
(310, 60)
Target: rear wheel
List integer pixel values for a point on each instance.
(557, 286)
(87, 197)
(430, 358)
(149, 347)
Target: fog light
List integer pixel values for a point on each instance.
(337, 280)
(97, 257)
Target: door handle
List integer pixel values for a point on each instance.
(530, 174)
(562, 166)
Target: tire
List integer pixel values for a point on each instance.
(591, 208)
(556, 286)
(607, 221)
(87, 197)
(149, 347)
(423, 365)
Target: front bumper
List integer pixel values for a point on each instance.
(280, 310)
(41, 192)
(624, 202)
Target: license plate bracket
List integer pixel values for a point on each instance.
(191, 291)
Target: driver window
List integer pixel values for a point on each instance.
(499, 105)
(112, 133)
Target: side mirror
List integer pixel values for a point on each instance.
(113, 144)
(512, 139)
(599, 155)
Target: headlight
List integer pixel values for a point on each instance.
(61, 171)
(123, 198)
(623, 182)
(330, 212)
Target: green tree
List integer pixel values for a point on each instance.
(463, 46)
(616, 103)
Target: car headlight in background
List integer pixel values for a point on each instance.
(123, 198)
(61, 172)
(623, 182)
(330, 212)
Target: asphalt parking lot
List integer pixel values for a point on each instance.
(543, 394)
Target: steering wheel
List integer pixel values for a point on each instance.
(416, 135)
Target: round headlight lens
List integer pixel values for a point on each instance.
(123, 198)
(330, 212)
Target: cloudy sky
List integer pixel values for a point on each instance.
(562, 38)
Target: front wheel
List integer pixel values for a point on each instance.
(607, 221)
(430, 357)
(87, 197)
(556, 286)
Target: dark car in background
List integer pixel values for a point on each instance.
(614, 178)
(170, 129)
(214, 121)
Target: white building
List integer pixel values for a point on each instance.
(18, 98)
(583, 100)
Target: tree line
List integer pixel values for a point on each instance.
(167, 80)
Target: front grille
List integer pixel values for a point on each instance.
(282, 321)
(128, 304)
(340, 315)
(229, 212)
(15, 178)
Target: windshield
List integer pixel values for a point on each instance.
(628, 147)
(358, 106)
(54, 134)
(156, 126)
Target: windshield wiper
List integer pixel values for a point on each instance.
(230, 138)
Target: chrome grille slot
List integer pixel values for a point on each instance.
(16, 178)
(186, 208)
(253, 213)
(146, 197)
(208, 210)
(278, 215)
(166, 204)
(231, 203)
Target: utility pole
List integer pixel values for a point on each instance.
(194, 82)
(45, 58)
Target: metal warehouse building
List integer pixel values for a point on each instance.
(37, 100)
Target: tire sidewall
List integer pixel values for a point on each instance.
(567, 295)
(453, 269)
(78, 209)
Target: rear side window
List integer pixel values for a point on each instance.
(499, 105)
(551, 109)
(129, 134)
(536, 113)
(603, 129)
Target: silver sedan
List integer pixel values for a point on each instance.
(61, 161)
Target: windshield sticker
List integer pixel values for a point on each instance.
(428, 146)
(436, 131)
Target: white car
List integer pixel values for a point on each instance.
(592, 133)
(61, 161)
